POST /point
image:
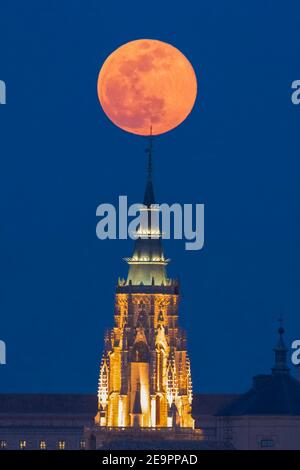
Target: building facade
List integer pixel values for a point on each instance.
(268, 415)
(62, 422)
(45, 421)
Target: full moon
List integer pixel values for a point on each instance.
(147, 84)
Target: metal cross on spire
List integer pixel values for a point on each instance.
(149, 153)
(149, 193)
(280, 321)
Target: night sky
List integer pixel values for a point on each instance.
(60, 157)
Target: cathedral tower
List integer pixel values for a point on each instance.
(145, 376)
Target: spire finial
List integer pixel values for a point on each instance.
(280, 351)
(149, 193)
(280, 321)
(149, 153)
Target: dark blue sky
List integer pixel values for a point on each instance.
(60, 157)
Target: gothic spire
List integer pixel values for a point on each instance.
(280, 350)
(148, 264)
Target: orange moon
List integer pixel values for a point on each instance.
(147, 83)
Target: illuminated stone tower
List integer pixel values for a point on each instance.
(145, 376)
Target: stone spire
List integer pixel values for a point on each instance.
(281, 351)
(148, 264)
(135, 389)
